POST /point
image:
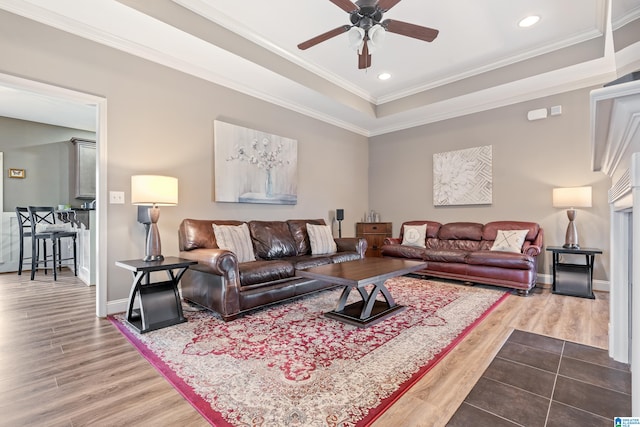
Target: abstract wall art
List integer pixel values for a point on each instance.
(252, 166)
(463, 177)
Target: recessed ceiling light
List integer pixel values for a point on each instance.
(384, 76)
(528, 21)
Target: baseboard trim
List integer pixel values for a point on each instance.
(117, 306)
(598, 285)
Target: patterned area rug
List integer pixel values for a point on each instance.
(289, 365)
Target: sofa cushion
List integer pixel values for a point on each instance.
(509, 240)
(298, 229)
(445, 256)
(402, 251)
(321, 239)
(501, 259)
(344, 257)
(414, 235)
(235, 238)
(198, 233)
(461, 231)
(262, 273)
(272, 239)
(307, 261)
(490, 230)
(432, 227)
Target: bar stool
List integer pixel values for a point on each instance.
(44, 229)
(24, 228)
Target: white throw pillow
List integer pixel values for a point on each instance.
(509, 240)
(415, 235)
(321, 239)
(235, 238)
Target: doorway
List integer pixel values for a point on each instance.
(70, 97)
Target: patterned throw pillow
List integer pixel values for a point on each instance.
(414, 235)
(235, 238)
(321, 239)
(509, 240)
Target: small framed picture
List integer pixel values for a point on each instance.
(16, 173)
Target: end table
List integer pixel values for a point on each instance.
(573, 279)
(160, 304)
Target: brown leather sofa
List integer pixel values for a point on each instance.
(220, 283)
(462, 251)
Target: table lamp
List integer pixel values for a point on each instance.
(154, 191)
(573, 197)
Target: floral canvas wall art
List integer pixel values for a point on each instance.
(252, 166)
(463, 177)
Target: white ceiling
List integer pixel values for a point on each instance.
(477, 38)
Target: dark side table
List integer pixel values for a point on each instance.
(570, 278)
(160, 304)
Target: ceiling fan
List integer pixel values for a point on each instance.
(367, 29)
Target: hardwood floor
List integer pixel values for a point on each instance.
(62, 366)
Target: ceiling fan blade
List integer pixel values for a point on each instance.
(345, 5)
(385, 5)
(324, 37)
(364, 59)
(410, 30)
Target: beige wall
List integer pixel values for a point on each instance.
(45, 152)
(529, 160)
(161, 121)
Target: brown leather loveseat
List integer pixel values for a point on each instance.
(462, 251)
(222, 284)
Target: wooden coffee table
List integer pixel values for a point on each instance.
(358, 274)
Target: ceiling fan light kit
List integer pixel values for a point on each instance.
(367, 30)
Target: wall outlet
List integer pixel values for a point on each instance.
(116, 197)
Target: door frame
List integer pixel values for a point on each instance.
(101, 169)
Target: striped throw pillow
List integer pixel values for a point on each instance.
(321, 239)
(235, 238)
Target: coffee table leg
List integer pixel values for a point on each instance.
(370, 300)
(342, 302)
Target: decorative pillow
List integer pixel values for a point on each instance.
(509, 240)
(321, 239)
(235, 238)
(414, 235)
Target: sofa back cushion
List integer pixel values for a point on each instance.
(491, 229)
(298, 230)
(198, 233)
(272, 239)
(465, 236)
(432, 228)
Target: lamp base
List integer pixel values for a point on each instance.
(153, 248)
(571, 237)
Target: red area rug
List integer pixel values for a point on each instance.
(289, 365)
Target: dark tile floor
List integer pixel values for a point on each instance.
(536, 380)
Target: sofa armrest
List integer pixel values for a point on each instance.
(531, 250)
(352, 244)
(534, 248)
(392, 241)
(215, 261)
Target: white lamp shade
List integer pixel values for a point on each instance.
(376, 37)
(573, 197)
(149, 190)
(356, 38)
